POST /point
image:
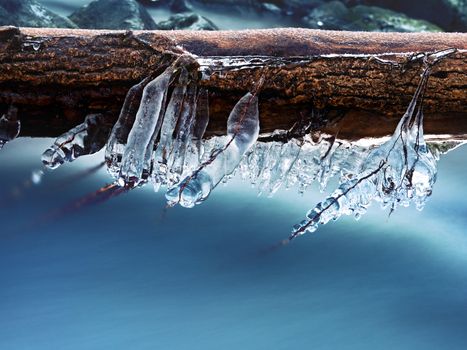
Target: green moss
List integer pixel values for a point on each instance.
(335, 15)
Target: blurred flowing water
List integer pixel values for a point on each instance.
(130, 274)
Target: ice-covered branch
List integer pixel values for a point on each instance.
(400, 171)
(340, 71)
(159, 138)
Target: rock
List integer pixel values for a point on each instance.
(179, 6)
(372, 18)
(451, 15)
(187, 20)
(113, 14)
(29, 13)
(229, 7)
(336, 16)
(331, 15)
(299, 8)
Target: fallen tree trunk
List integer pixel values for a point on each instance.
(55, 77)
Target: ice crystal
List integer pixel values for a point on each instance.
(138, 151)
(242, 133)
(299, 163)
(9, 126)
(400, 171)
(119, 136)
(143, 145)
(86, 138)
(159, 138)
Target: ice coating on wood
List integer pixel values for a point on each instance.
(242, 133)
(141, 137)
(119, 136)
(9, 126)
(400, 171)
(86, 138)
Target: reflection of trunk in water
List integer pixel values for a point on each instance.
(158, 139)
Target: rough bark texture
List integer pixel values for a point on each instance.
(57, 76)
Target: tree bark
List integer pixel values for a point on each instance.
(340, 81)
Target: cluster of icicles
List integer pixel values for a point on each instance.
(158, 139)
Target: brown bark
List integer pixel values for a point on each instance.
(57, 76)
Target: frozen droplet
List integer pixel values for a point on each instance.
(86, 138)
(242, 131)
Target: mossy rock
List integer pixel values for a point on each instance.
(29, 13)
(335, 15)
(113, 14)
(188, 21)
(451, 15)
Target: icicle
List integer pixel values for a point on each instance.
(242, 130)
(9, 126)
(86, 138)
(289, 154)
(164, 149)
(138, 157)
(269, 161)
(119, 135)
(147, 123)
(183, 132)
(201, 123)
(399, 171)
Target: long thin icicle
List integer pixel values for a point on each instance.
(184, 132)
(201, 123)
(164, 150)
(147, 121)
(119, 135)
(242, 130)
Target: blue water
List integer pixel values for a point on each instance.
(128, 274)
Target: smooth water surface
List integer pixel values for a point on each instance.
(130, 274)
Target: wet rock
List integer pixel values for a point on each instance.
(451, 15)
(229, 6)
(187, 20)
(299, 8)
(29, 13)
(178, 6)
(335, 15)
(113, 14)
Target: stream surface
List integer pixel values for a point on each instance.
(130, 274)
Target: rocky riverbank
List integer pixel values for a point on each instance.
(360, 15)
